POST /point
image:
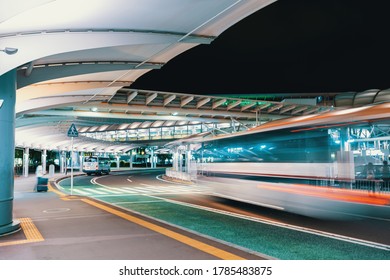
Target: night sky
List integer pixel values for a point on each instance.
(291, 46)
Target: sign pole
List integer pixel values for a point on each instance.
(72, 132)
(71, 169)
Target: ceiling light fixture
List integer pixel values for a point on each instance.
(9, 51)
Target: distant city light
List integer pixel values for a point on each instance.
(235, 150)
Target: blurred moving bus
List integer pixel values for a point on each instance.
(96, 165)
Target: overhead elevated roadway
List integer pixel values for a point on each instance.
(130, 109)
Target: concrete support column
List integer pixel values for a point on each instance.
(175, 163)
(43, 160)
(180, 155)
(131, 160)
(344, 137)
(7, 151)
(26, 161)
(63, 163)
(188, 159)
(152, 159)
(81, 158)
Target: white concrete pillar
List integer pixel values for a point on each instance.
(63, 163)
(188, 159)
(43, 160)
(175, 163)
(81, 158)
(26, 161)
(152, 159)
(180, 161)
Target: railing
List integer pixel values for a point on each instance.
(177, 174)
(372, 185)
(377, 185)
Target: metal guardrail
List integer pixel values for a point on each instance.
(376, 185)
(372, 185)
(178, 174)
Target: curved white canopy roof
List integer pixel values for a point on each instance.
(73, 55)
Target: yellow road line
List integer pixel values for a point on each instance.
(30, 231)
(62, 196)
(50, 187)
(174, 235)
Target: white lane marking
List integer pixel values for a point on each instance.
(157, 190)
(138, 202)
(94, 191)
(287, 226)
(142, 190)
(129, 180)
(170, 189)
(108, 190)
(93, 181)
(81, 192)
(146, 185)
(128, 190)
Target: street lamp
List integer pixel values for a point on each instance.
(9, 51)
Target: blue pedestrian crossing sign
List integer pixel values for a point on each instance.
(72, 132)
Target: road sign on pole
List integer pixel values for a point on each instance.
(72, 132)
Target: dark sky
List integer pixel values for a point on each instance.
(291, 46)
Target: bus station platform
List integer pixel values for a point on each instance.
(57, 226)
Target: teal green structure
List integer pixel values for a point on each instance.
(7, 150)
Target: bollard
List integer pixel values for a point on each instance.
(51, 170)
